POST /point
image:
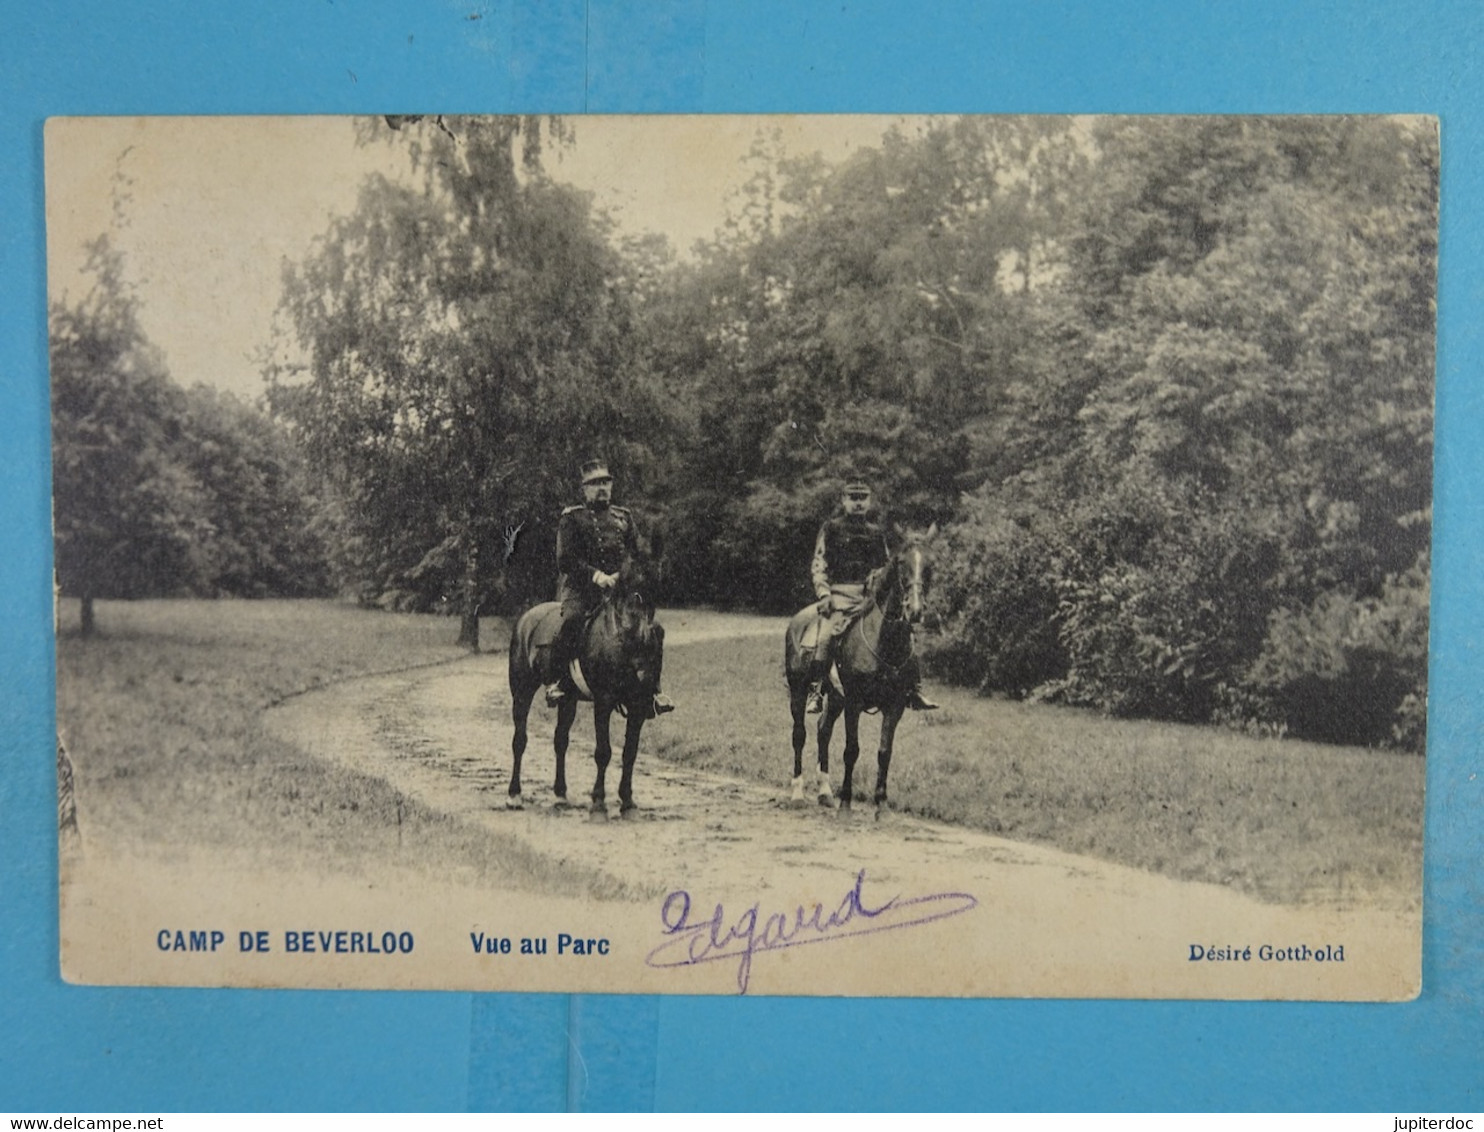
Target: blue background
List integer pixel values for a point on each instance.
(77, 1048)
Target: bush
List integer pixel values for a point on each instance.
(994, 602)
(1348, 669)
(1145, 605)
(1162, 606)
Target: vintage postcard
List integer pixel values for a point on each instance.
(950, 556)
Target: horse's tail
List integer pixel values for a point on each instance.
(524, 668)
(520, 651)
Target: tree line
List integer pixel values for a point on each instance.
(1165, 385)
(159, 489)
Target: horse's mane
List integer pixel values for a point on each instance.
(883, 584)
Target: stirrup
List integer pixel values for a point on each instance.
(555, 694)
(661, 705)
(815, 704)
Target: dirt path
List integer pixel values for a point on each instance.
(1034, 921)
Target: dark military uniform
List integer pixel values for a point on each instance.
(848, 548)
(590, 540)
(593, 539)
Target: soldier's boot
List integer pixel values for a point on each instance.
(563, 651)
(918, 702)
(823, 658)
(915, 699)
(662, 703)
(815, 703)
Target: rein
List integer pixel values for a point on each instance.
(893, 588)
(629, 622)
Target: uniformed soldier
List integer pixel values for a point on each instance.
(848, 548)
(595, 540)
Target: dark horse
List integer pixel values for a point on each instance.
(621, 655)
(876, 666)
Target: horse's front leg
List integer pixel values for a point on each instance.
(602, 753)
(852, 752)
(566, 715)
(520, 709)
(630, 756)
(890, 717)
(797, 697)
(833, 705)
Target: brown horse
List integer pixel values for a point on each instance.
(620, 660)
(877, 671)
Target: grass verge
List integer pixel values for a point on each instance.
(162, 713)
(1286, 822)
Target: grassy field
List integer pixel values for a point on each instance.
(163, 712)
(1287, 822)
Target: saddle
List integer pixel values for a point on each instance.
(544, 630)
(848, 608)
(543, 638)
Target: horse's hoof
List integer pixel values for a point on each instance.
(883, 809)
(797, 794)
(597, 812)
(514, 802)
(823, 791)
(628, 810)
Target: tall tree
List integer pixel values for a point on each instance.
(862, 319)
(130, 519)
(263, 513)
(468, 342)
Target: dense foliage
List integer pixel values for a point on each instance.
(1166, 382)
(854, 321)
(1221, 489)
(1165, 386)
(467, 341)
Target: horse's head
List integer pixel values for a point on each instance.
(634, 643)
(902, 583)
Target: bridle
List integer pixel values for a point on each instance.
(900, 601)
(895, 604)
(630, 616)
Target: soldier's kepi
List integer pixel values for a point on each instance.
(595, 539)
(848, 548)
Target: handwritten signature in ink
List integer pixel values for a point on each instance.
(695, 937)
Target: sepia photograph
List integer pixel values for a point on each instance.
(768, 555)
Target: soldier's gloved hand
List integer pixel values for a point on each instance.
(823, 606)
(605, 581)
